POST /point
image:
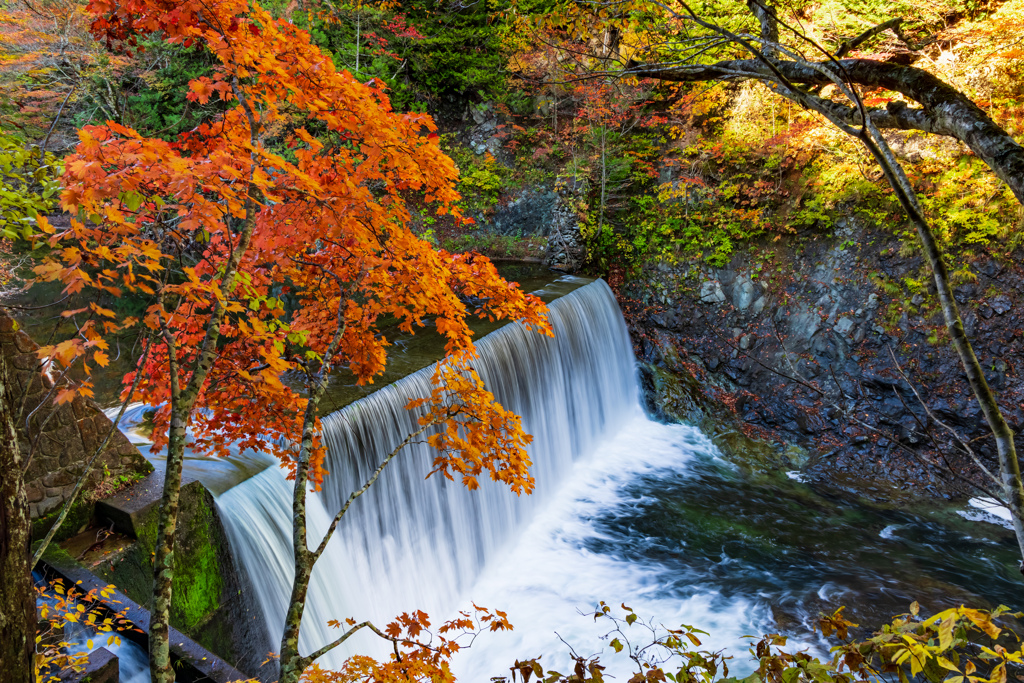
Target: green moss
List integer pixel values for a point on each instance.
(682, 398)
(197, 585)
(56, 556)
(216, 636)
(197, 576)
(132, 573)
(78, 516)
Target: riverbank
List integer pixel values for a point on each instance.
(834, 344)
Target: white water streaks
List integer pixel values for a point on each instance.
(988, 510)
(257, 516)
(414, 544)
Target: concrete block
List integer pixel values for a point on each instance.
(101, 667)
(127, 510)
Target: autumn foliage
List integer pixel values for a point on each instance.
(328, 239)
(255, 265)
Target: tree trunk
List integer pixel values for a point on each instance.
(604, 176)
(183, 401)
(1006, 450)
(163, 564)
(292, 663)
(17, 601)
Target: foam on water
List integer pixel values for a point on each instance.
(552, 574)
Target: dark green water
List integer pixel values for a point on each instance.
(807, 548)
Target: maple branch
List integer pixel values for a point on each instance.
(36, 308)
(938, 449)
(847, 413)
(56, 118)
(847, 45)
(360, 491)
(56, 384)
(310, 658)
(966, 446)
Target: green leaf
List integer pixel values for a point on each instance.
(132, 200)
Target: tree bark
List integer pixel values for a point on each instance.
(1006, 450)
(160, 667)
(292, 663)
(17, 600)
(945, 110)
(183, 401)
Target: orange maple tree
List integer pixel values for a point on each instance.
(254, 262)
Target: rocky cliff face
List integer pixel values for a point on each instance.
(837, 345)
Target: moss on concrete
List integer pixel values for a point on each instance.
(78, 517)
(199, 567)
(197, 576)
(56, 556)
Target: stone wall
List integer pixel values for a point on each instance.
(796, 343)
(70, 432)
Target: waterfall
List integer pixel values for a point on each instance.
(411, 543)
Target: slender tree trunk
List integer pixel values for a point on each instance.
(292, 663)
(183, 401)
(604, 176)
(17, 602)
(1006, 450)
(163, 564)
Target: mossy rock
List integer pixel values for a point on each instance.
(677, 396)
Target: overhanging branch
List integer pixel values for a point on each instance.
(944, 109)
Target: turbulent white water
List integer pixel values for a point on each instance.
(431, 545)
(559, 566)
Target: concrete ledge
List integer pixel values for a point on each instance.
(128, 509)
(101, 667)
(197, 665)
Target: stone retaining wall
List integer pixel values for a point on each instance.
(69, 436)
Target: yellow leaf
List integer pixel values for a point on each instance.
(982, 621)
(946, 633)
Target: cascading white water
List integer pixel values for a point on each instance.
(626, 509)
(415, 544)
